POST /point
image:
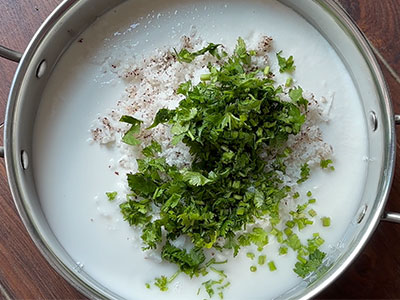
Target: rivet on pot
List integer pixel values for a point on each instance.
(41, 69)
(373, 120)
(24, 160)
(362, 213)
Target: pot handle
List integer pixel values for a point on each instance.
(392, 216)
(13, 56)
(10, 54)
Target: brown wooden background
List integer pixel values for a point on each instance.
(24, 274)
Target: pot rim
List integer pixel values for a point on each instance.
(12, 155)
(333, 8)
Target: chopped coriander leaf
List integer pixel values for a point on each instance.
(312, 264)
(162, 283)
(305, 173)
(141, 185)
(258, 237)
(272, 266)
(195, 178)
(150, 150)
(136, 212)
(326, 163)
(326, 221)
(129, 137)
(228, 121)
(296, 94)
(285, 65)
(130, 120)
(210, 284)
(162, 116)
(205, 77)
(188, 262)
(185, 56)
(148, 285)
(111, 195)
(309, 194)
(311, 201)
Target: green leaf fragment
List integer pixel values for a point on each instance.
(188, 262)
(283, 250)
(304, 174)
(305, 267)
(267, 70)
(326, 164)
(312, 212)
(111, 195)
(141, 184)
(285, 65)
(152, 149)
(195, 178)
(162, 283)
(250, 255)
(227, 120)
(186, 56)
(296, 94)
(271, 266)
(129, 137)
(262, 259)
(326, 221)
(162, 116)
(205, 77)
(289, 82)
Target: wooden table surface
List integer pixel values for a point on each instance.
(24, 274)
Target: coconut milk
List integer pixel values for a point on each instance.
(72, 176)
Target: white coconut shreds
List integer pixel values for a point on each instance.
(151, 85)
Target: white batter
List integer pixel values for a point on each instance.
(72, 175)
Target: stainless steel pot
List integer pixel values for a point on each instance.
(65, 24)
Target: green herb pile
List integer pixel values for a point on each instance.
(230, 121)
